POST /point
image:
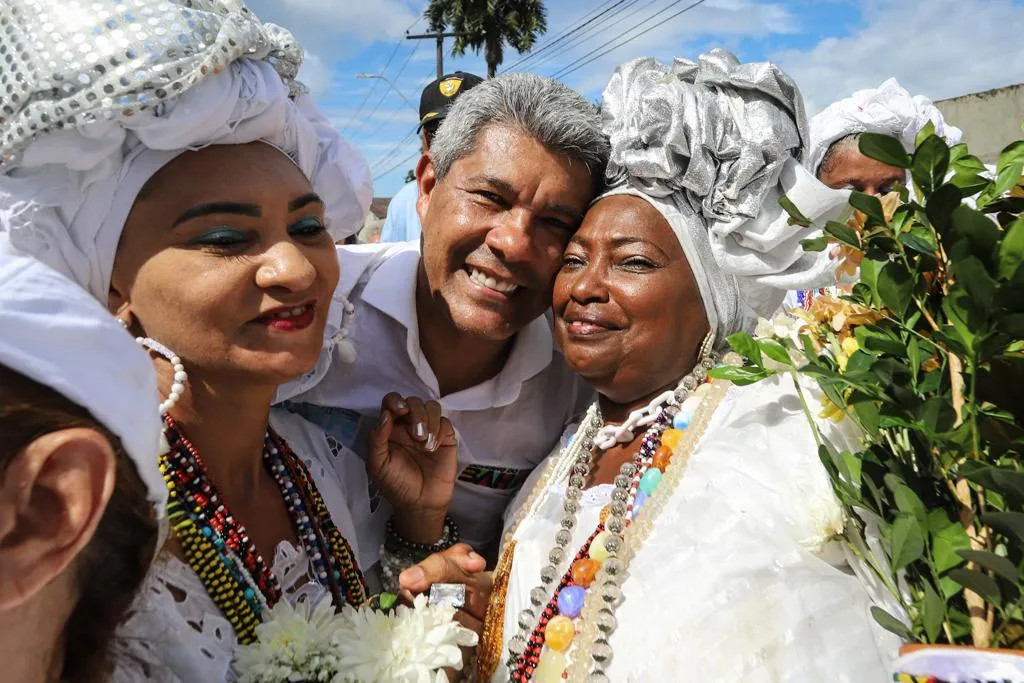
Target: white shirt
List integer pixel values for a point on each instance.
(175, 633)
(510, 421)
(740, 578)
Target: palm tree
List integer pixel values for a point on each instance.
(489, 25)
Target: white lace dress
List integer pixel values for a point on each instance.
(176, 634)
(738, 580)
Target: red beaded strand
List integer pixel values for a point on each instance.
(190, 484)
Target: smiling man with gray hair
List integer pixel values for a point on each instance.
(461, 321)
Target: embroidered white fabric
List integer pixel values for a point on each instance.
(176, 634)
(739, 579)
(173, 602)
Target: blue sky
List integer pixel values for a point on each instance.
(940, 48)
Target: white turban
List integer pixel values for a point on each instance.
(56, 334)
(713, 145)
(888, 109)
(206, 74)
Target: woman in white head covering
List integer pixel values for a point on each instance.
(834, 157)
(685, 532)
(889, 109)
(80, 493)
(162, 156)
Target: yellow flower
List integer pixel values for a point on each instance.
(840, 315)
(847, 348)
(849, 261)
(850, 346)
(830, 411)
(890, 203)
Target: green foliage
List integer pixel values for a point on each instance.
(926, 357)
(489, 25)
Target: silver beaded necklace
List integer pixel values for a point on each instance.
(576, 461)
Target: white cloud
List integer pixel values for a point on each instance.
(336, 28)
(939, 48)
(315, 75)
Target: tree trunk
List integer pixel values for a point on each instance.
(493, 56)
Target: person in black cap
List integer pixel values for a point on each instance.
(402, 223)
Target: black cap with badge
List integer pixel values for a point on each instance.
(439, 95)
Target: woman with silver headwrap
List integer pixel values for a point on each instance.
(161, 155)
(686, 530)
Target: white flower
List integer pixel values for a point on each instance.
(412, 645)
(293, 644)
(781, 328)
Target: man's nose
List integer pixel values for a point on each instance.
(513, 238)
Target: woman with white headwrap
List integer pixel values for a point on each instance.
(685, 532)
(833, 155)
(889, 109)
(80, 493)
(161, 155)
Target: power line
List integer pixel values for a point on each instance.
(583, 61)
(583, 22)
(396, 166)
(376, 82)
(579, 40)
(355, 117)
(393, 152)
(394, 113)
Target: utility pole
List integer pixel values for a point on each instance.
(439, 36)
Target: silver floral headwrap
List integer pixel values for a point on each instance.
(713, 145)
(96, 97)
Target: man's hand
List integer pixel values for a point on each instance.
(458, 564)
(413, 461)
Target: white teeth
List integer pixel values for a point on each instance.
(492, 283)
(291, 312)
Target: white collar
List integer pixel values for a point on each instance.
(391, 289)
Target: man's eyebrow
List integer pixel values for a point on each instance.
(506, 188)
(567, 211)
(497, 183)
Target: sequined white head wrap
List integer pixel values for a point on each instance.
(56, 334)
(712, 145)
(888, 109)
(95, 98)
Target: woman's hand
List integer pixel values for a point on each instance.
(458, 564)
(413, 460)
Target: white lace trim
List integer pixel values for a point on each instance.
(175, 633)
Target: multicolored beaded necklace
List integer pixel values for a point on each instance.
(555, 629)
(579, 611)
(218, 547)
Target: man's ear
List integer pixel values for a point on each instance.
(52, 497)
(426, 181)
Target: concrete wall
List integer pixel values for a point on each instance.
(990, 120)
